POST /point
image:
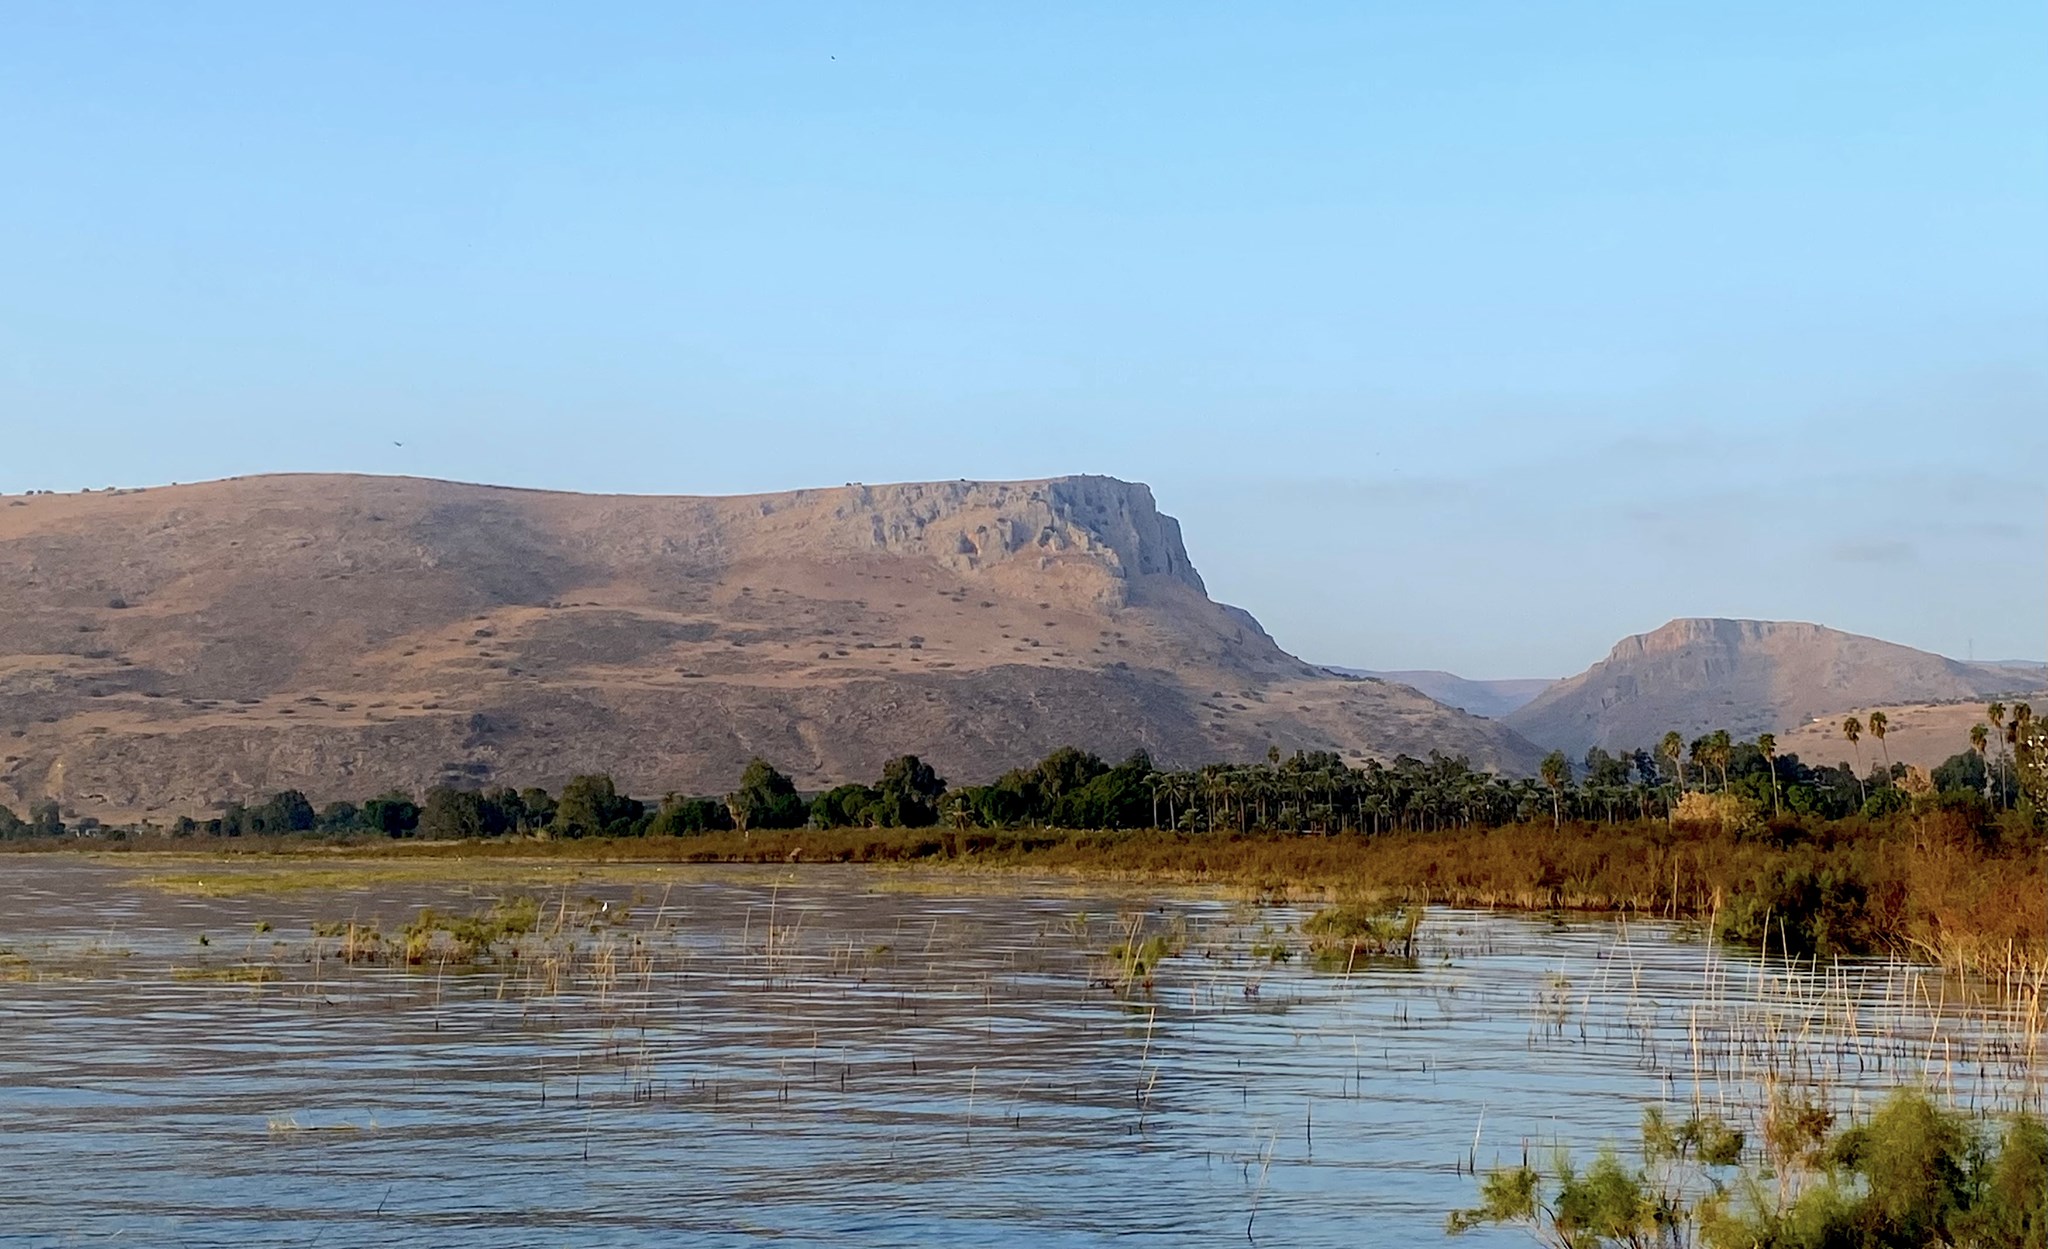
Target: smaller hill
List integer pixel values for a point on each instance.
(1923, 734)
(1749, 677)
(1491, 699)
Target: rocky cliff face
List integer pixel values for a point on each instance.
(166, 649)
(1109, 532)
(1747, 676)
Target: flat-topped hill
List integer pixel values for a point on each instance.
(164, 649)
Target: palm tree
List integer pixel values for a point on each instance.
(1720, 750)
(1878, 724)
(1852, 728)
(1980, 740)
(1557, 773)
(1673, 748)
(1768, 744)
(1995, 713)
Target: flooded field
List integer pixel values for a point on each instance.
(197, 1054)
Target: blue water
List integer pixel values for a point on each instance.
(898, 1066)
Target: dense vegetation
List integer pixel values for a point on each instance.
(1805, 860)
(1745, 786)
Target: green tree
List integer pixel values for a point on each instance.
(765, 799)
(908, 793)
(1118, 798)
(1980, 742)
(11, 825)
(1064, 771)
(287, 812)
(679, 816)
(846, 806)
(592, 806)
(393, 814)
(452, 814)
(537, 809)
(1962, 773)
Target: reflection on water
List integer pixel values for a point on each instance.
(821, 1056)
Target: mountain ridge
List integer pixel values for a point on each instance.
(171, 647)
(1491, 699)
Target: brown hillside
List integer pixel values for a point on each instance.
(1747, 676)
(1923, 734)
(165, 649)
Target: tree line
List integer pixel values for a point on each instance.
(1308, 791)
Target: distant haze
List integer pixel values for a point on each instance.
(1482, 698)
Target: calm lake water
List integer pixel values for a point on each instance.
(836, 1056)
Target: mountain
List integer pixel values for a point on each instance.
(165, 649)
(1747, 676)
(1492, 699)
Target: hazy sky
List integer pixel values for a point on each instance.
(1466, 335)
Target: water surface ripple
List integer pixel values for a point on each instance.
(831, 1056)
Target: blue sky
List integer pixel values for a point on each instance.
(1458, 335)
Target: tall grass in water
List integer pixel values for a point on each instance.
(1136, 958)
(1929, 887)
(1935, 883)
(1341, 936)
(1912, 1175)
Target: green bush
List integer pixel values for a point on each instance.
(1912, 1177)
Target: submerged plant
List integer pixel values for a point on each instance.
(1341, 935)
(466, 938)
(1138, 955)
